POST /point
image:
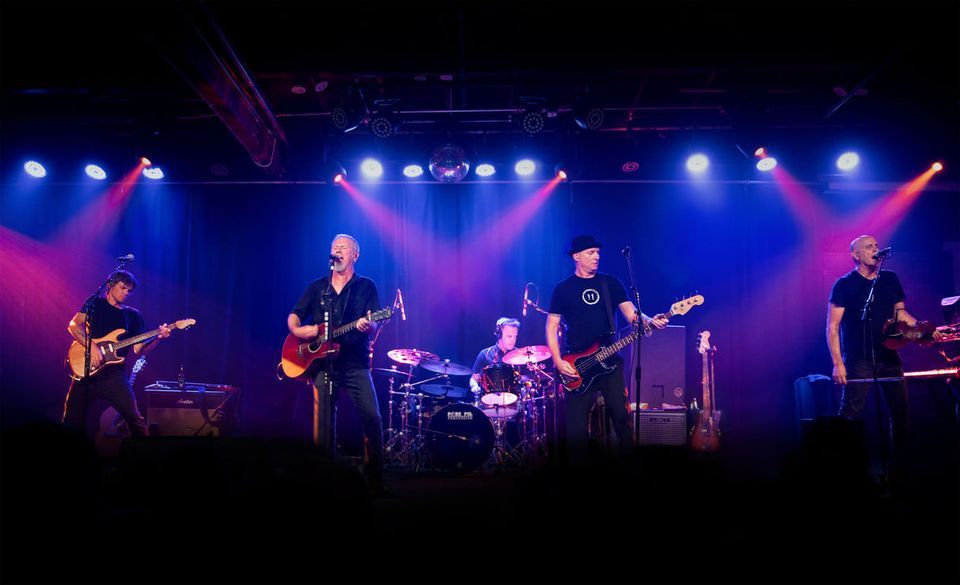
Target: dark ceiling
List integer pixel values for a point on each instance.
(215, 84)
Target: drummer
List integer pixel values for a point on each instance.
(506, 333)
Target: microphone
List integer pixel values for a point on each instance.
(526, 295)
(625, 251)
(127, 258)
(333, 260)
(884, 253)
(403, 314)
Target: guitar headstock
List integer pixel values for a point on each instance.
(185, 323)
(683, 306)
(703, 342)
(380, 315)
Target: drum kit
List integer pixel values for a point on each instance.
(437, 423)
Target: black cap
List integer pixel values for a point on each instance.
(581, 243)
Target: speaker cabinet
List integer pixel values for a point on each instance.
(663, 427)
(663, 358)
(192, 412)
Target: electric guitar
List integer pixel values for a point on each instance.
(897, 334)
(108, 346)
(706, 433)
(589, 363)
(298, 355)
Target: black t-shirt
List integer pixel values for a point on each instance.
(486, 357)
(105, 318)
(580, 302)
(357, 297)
(850, 292)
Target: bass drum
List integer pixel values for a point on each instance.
(459, 437)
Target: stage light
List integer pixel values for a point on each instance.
(697, 163)
(145, 161)
(485, 170)
(153, 173)
(937, 167)
(34, 169)
(338, 178)
(95, 172)
(630, 166)
(760, 152)
(560, 171)
(767, 163)
(848, 161)
(525, 167)
(588, 116)
(412, 171)
(381, 126)
(532, 122)
(371, 168)
(351, 113)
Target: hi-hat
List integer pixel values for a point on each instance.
(445, 367)
(530, 354)
(411, 356)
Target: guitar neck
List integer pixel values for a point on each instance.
(623, 342)
(138, 338)
(707, 381)
(344, 329)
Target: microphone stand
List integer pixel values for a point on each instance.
(88, 309)
(639, 368)
(325, 412)
(866, 318)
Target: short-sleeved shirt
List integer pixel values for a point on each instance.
(356, 298)
(581, 304)
(105, 318)
(850, 292)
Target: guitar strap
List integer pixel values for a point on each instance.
(606, 301)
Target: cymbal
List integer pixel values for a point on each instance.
(530, 354)
(445, 367)
(411, 356)
(445, 390)
(389, 372)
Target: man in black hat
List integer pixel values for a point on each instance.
(585, 302)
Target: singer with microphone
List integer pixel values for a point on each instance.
(344, 297)
(586, 302)
(107, 313)
(861, 302)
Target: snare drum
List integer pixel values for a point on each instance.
(499, 382)
(459, 437)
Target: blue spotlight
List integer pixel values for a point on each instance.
(698, 163)
(153, 173)
(95, 172)
(412, 171)
(766, 164)
(525, 167)
(848, 161)
(485, 170)
(34, 169)
(371, 168)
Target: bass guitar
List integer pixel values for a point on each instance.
(590, 364)
(108, 346)
(298, 355)
(706, 433)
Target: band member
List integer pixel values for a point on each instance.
(506, 332)
(585, 302)
(109, 313)
(855, 340)
(348, 297)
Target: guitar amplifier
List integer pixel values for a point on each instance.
(663, 427)
(196, 410)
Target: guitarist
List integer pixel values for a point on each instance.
(347, 297)
(110, 383)
(585, 302)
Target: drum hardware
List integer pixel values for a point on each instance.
(445, 367)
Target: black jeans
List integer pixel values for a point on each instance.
(614, 391)
(854, 397)
(108, 384)
(359, 387)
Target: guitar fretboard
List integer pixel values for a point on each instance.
(138, 338)
(623, 342)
